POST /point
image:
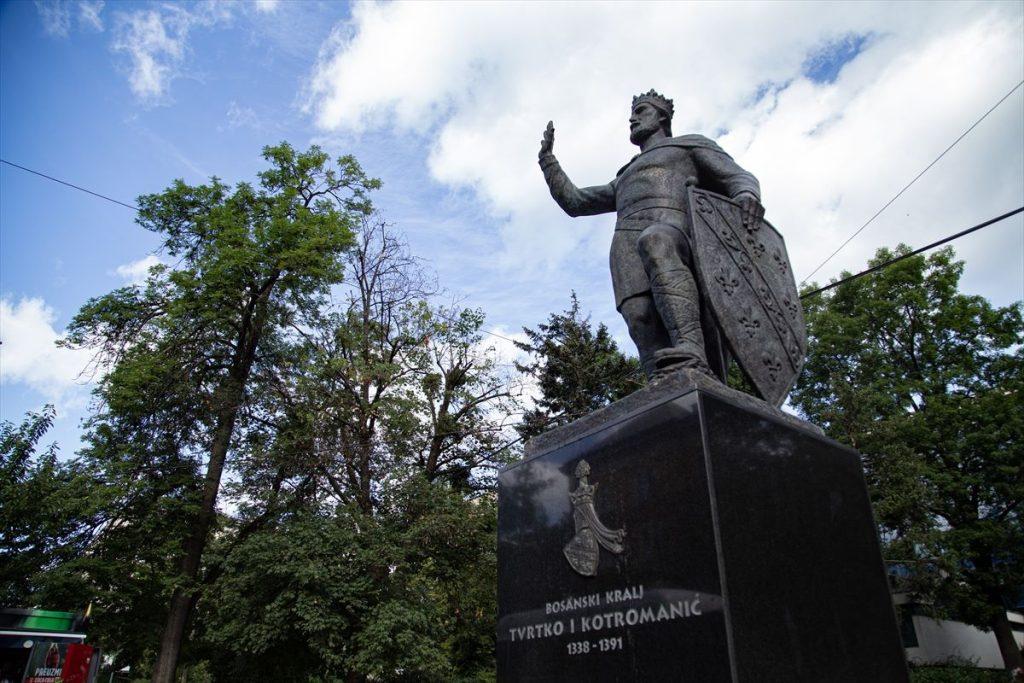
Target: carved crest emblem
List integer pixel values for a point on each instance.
(748, 284)
(584, 550)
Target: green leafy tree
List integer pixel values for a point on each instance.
(183, 348)
(928, 384)
(405, 594)
(578, 369)
(363, 545)
(73, 533)
(48, 511)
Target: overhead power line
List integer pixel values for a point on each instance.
(135, 208)
(803, 296)
(890, 262)
(914, 180)
(64, 182)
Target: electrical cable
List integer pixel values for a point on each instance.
(907, 186)
(64, 182)
(890, 262)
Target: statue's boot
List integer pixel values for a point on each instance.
(649, 365)
(677, 299)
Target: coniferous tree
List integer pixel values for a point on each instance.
(577, 369)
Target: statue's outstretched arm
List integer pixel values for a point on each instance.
(575, 201)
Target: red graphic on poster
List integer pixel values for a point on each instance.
(77, 663)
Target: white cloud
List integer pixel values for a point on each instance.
(480, 82)
(29, 356)
(156, 42)
(267, 5)
(239, 116)
(89, 14)
(136, 272)
(55, 15)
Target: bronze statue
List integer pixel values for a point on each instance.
(692, 290)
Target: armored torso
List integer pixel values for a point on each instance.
(656, 179)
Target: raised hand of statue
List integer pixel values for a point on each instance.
(548, 142)
(753, 212)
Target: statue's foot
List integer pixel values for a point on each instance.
(670, 361)
(678, 367)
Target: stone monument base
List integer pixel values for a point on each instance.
(708, 538)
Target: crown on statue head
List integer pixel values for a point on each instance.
(656, 100)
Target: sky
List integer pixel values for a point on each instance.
(835, 107)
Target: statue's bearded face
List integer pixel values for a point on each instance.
(644, 122)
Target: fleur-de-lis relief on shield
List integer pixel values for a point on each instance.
(756, 248)
(790, 306)
(729, 240)
(750, 325)
(729, 284)
(780, 262)
(703, 205)
(794, 352)
(773, 366)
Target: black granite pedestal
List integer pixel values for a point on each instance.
(713, 539)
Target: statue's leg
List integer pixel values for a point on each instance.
(645, 328)
(665, 256)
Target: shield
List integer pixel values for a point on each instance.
(583, 553)
(747, 282)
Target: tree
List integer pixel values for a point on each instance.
(363, 546)
(47, 514)
(182, 350)
(927, 383)
(577, 369)
(405, 594)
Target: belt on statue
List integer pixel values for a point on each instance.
(651, 203)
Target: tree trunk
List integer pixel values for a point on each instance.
(1007, 643)
(184, 596)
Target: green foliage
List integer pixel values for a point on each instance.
(956, 674)
(927, 383)
(181, 350)
(361, 548)
(74, 534)
(578, 369)
(47, 516)
(404, 595)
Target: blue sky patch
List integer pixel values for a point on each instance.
(824, 63)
